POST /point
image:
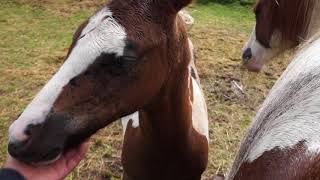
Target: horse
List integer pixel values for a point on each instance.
(283, 141)
(280, 25)
(132, 60)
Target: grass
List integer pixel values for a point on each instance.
(33, 43)
(35, 36)
(229, 15)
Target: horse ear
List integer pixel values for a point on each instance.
(177, 5)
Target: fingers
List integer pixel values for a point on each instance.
(84, 146)
(70, 160)
(12, 162)
(74, 157)
(79, 150)
(59, 169)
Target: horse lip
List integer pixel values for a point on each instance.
(45, 163)
(245, 61)
(45, 159)
(253, 66)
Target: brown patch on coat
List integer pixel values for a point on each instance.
(165, 145)
(290, 17)
(294, 163)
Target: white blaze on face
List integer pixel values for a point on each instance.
(260, 54)
(101, 35)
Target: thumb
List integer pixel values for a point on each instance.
(74, 157)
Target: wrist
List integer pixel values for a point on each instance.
(9, 173)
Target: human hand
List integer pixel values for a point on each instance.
(55, 171)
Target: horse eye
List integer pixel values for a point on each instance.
(106, 17)
(73, 82)
(126, 61)
(129, 59)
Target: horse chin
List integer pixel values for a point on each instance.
(46, 163)
(253, 66)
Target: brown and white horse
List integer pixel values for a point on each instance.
(280, 25)
(283, 142)
(130, 60)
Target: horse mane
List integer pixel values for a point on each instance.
(290, 17)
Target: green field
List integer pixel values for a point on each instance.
(35, 36)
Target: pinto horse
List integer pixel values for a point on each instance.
(130, 60)
(283, 141)
(280, 25)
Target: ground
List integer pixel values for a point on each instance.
(35, 36)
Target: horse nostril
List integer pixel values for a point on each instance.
(32, 130)
(14, 148)
(247, 55)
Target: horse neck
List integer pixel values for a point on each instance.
(169, 116)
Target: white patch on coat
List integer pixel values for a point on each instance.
(289, 115)
(199, 111)
(191, 47)
(199, 106)
(300, 122)
(187, 18)
(102, 35)
(192, 65)
(133, 117)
